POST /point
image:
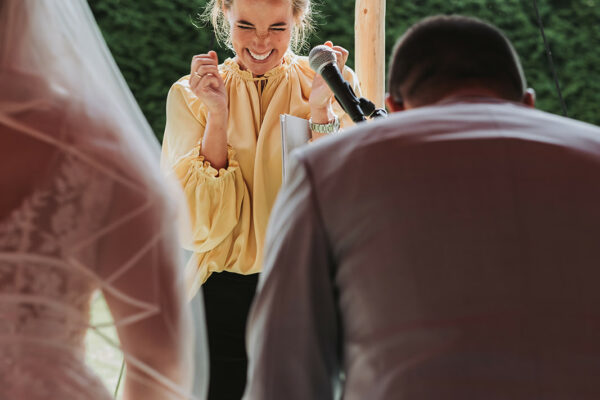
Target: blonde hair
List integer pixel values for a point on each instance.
(302, 28)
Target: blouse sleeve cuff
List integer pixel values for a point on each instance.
(204, 167)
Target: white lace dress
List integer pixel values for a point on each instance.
(47, 279)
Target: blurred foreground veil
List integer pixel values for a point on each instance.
(97, 219)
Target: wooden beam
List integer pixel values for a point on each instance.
(369, 48)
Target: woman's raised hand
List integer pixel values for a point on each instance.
(321, 96)
(206, 82)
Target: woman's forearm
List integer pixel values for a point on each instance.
(214, 142)
(322, 114)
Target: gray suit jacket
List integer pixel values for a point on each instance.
(448, 252)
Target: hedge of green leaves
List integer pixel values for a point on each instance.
(153, 42)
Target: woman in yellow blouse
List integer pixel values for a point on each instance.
(222, 141)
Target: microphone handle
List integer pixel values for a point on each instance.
(343, 92)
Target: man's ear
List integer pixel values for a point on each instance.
(393, 105)
(529, 98)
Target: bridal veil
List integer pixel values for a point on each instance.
(60, 86)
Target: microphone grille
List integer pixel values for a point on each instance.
(320, 56)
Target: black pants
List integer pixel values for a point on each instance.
(227, 299)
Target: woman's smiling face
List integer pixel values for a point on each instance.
(260, 32)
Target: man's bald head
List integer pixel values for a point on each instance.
(444, 54)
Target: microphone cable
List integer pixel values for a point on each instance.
(550, 61)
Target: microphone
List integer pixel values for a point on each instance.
(322, 60)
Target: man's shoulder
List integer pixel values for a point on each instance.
(521, 122)
(465, 120)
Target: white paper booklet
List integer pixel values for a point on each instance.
(295, 132)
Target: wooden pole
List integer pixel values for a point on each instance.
(369, 49)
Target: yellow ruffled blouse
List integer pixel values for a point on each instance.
(230, 207)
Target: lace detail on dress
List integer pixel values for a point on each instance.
(44, 299)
